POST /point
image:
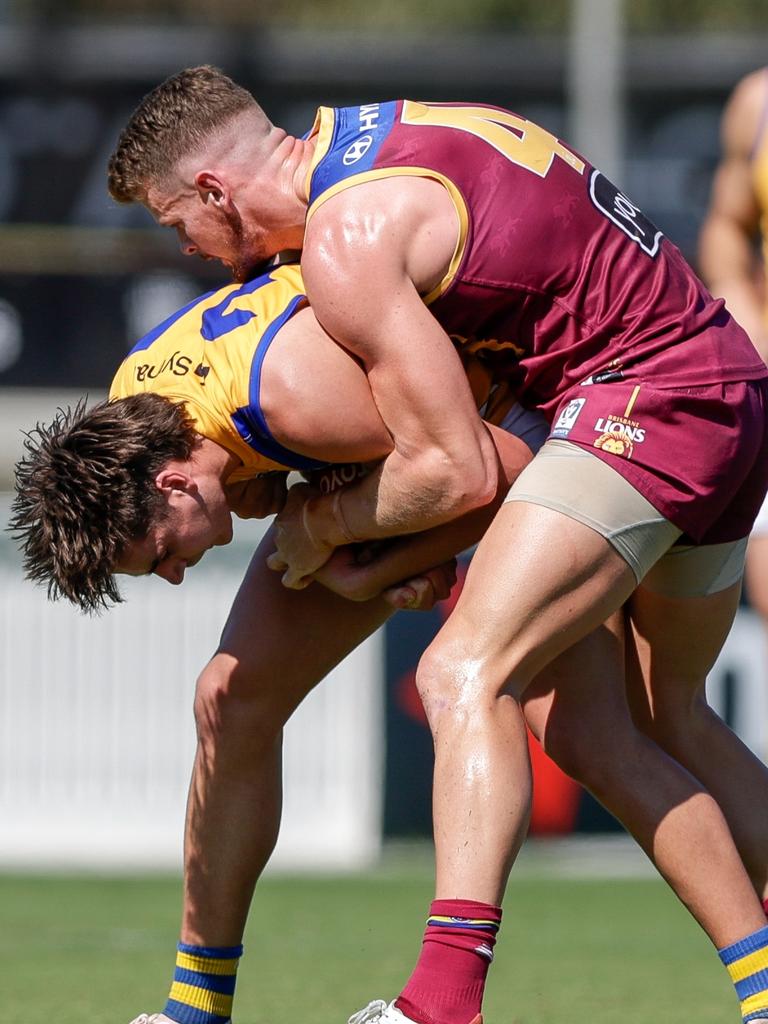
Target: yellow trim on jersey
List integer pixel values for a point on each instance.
(211, 378)
(412, 172)
(323, 126)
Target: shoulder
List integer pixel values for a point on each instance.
(302, 368)
(372, 236)
(385, 195)
(284, 372)
(744, 113)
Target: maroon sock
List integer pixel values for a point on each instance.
(447, 984)
(765, 906)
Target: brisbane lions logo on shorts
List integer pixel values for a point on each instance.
(618, 435)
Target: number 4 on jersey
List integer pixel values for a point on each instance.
(521, 142)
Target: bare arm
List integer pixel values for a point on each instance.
(409, 556)
(369, 253)
(316, 399)
(726, 244)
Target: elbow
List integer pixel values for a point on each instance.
(484, 488)
(465, 484)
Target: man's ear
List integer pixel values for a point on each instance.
(211, 188)
(173, 478)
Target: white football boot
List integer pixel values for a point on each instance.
(379, 1012)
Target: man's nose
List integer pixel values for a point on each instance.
(187, 246)
(172, 571)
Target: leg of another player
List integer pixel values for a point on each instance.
(666, 674)
(276, 646)
(578, 710)
(540, 581)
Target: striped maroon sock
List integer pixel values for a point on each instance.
(447, 984)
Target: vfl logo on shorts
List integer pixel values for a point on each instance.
(567, 418)
(618, 435)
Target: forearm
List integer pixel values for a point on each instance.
(442, 462)
(745, 306)
(404, 557)
(401, 496)
(728, 268)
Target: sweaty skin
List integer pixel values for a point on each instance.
(550, 613)
(401, 235)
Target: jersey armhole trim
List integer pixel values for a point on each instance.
(324, 127)
(459, 203)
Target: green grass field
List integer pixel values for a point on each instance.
(100, 950)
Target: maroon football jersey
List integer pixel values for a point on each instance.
(558, 278)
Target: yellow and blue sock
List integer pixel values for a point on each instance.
(203, 984)
(747, 964)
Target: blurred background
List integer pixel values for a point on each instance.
(96, 731)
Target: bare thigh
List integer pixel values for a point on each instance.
(538, 582)
(283, 641)
(674, 644)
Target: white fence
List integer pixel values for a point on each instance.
(97, 735)
(737, 687)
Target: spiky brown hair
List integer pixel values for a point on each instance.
(173, 119)
(85, 490)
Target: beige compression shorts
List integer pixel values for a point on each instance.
(572, 480)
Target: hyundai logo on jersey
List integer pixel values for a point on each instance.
(356, 150)
(358, 135)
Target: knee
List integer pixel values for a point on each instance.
(236, 710)
(434, 685)
(456, 684)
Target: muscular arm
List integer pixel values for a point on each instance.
(726, 245)
(406, 557)
(368, 255)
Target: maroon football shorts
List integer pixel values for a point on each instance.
(699, 455)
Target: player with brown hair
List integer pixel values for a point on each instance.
(426, 227)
